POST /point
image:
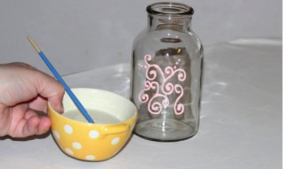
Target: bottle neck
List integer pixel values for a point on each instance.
(159, 22)
(169, 16)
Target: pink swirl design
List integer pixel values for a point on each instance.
(154, 67)
(155, 107)
(182, 74)
(165, 101)
(142, 96)
(166, 88)
(179, 108)
(169, 87)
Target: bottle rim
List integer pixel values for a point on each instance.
(169, 8)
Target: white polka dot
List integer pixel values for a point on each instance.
(93, 134)
(69, 151)
(77, 145)
(56, 135)
(115, 141)
(68, 129)
(90, 157)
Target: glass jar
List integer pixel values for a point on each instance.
(166, 74)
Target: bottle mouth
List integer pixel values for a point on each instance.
(169, 8)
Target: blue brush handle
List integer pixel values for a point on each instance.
(68, 90)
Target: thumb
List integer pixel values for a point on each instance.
(56, 103)
(51, 89)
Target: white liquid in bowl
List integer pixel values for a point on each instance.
(99, 117)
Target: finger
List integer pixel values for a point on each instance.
(17, 83)
(18, 112)
(37, 127)
(22, 82)
(51, 89)
(21, 64)
(39, 104)
(29, 114)
(44, 125)
(31, 124)
(26, 127)
(31, 127)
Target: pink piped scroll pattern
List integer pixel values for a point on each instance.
(166, 88)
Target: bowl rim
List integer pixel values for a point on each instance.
(100, 124)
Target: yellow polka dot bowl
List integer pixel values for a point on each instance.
(93, 142)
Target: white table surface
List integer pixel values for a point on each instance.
(240, 125)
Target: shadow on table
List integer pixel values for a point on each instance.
(43, 136)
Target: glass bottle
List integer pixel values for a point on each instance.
(166, 74)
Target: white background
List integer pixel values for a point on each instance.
(88, 34)
(241, 104)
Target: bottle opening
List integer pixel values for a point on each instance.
(169, 8)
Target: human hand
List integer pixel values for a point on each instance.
(24, 89)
